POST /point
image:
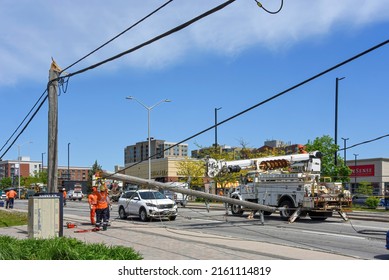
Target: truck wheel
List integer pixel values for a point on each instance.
(122, 213)
(236, 210)
(143, 215)
(172, 218)
(288, 209)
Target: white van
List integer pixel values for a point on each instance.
(179, 198)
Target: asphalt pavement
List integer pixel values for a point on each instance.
(156, 243)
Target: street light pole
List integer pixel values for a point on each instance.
(336, 118)
(148, 108)
(19, 165)
(68, 163)
(42, 162)
(216, 109)
(355, 171)
(344, 150)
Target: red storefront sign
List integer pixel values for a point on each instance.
(362, 170)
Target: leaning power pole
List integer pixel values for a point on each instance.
(52, 150)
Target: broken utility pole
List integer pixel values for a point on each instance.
(52, 152)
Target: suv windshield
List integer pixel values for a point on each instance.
(151, 195)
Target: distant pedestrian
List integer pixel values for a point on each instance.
(102, 208)
(92, 200)
(11, 194)
(64, 194)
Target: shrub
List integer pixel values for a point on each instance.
(372, 202)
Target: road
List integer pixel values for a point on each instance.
(364, 239)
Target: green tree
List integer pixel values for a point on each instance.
(327, 147)
(95, 168)
(38, 177)
(193, 169)
(365, 188)
(6, 182)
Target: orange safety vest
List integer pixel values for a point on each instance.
(11, 194)
(102, 200)
(92, 199)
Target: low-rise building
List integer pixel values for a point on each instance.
(374, 171)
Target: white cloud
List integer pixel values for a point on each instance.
(33, 31)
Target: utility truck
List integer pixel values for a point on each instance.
(291, 183)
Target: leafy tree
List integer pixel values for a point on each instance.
(365, 188)
(193, 169)
(6, 182)
(38, 177)
(95, 168)
(327, 147)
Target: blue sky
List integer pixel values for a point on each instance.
(234, 59)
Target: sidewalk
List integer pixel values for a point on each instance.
(156, 243)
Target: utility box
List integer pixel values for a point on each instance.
(45, 215)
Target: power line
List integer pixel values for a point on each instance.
(21, 125)
(117, 36)
(268, 100)
(364, 142)
(25, 126)
(64, 82)
(268, 11)
(157, 38)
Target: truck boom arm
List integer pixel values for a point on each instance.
(216, 167)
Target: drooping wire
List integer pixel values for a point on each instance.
(63, 85)
(266, 10)
(117, 36)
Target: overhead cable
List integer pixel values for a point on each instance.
(23, 121)
(25, 126)
(268, 100)
(63, 83)
(117, 36)
(157, 38)
(266, 10)
(364, 142)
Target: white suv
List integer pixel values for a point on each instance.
(147, 204)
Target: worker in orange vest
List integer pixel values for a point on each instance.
(102, 208)
(64, 194)
(301, 149)
(11, 194)
(92, 200)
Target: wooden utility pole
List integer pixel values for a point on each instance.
(52, 152)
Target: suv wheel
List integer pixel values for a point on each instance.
(143, 215)
(122, 213)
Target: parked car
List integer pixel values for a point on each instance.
(75, 195)
(359, 199)
(383, 202)
(146, 204)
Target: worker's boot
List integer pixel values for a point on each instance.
(104, 226)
